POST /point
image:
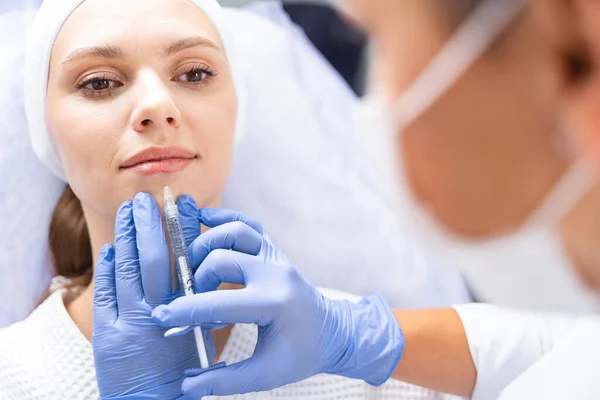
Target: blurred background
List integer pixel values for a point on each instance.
(341, 44)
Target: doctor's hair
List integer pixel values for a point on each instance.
(69, 240)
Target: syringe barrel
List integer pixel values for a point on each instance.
(183, 268)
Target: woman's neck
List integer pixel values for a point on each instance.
(101, 231)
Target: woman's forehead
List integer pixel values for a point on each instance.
(133, 24)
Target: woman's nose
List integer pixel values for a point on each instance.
(155, 109)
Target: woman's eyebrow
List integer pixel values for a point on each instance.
(110, 52)
(113, 52)
(188, 43)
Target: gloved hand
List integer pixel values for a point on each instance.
(132, 358)
(300, 332)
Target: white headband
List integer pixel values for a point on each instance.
(49, 20)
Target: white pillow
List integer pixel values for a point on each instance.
(289, 173)
(28, 191)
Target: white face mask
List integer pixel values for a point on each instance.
(527, 268)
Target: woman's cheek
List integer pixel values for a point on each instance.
(86, 150)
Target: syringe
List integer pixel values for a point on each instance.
(183, 268)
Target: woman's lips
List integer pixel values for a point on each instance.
(157, 160)
(171, 165)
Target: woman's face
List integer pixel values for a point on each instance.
(488, 151)
(140, 96)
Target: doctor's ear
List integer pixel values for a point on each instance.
(588, 17)
(562, 24)
(573, 31)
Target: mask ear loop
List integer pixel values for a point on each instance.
(470, 41)
(564, 196)
(468, 44)
(482, 27)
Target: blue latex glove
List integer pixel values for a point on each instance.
(300, 333)
(132, 358)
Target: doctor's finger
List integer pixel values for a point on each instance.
(153, 250)
(250, 375)
(221, 306)
(127, 274)
(212, 217)
(105, 291)
(235, 235)
(221, 266)
(189, 217)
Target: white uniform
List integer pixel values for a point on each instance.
(569, 371)
(528, 355)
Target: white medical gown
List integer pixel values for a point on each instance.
(47, 357)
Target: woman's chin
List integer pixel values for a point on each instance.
(192, 182)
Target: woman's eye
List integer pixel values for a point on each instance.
(195, 76)
(98, 86)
